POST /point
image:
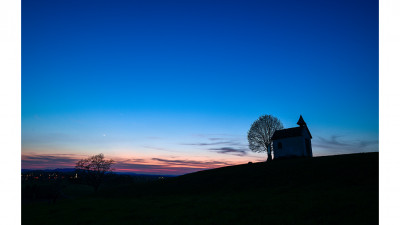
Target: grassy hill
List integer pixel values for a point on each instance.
(341, 189)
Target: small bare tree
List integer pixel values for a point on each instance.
(93, 169)
(260, 134)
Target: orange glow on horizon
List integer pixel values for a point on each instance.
(161, 164)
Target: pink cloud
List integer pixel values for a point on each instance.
(147, 166)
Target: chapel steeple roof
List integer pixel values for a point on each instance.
(292, 132)
(301, 122)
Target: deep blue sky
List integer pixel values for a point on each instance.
(140, 76)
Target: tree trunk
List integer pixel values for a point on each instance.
(269, 157)
(269, 153)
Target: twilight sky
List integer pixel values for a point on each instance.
(171, 87)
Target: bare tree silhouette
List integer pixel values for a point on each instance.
(260, 134)
(93, 169)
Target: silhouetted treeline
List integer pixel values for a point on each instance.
(53, 185)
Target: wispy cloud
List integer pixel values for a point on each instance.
(151, 168)
(230, 150)
(215, 139)
(363, 144)
(155, 169)
(333, 141)
(338, 144)
(203, 164)
(34, 161)
(166, 166)
(131, 160)
(159, 148)
(227, 144)
(211, 143)
(136, 165)
(155, 148)
(219, 136)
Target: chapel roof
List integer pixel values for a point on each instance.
(285, 133)
(289, 132)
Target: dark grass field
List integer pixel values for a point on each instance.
(340, 189)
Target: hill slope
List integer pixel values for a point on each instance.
(329, 171)
(323, 190)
